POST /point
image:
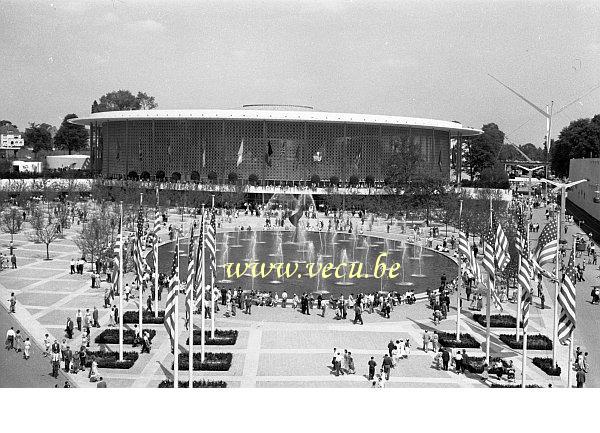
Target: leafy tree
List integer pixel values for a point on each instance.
(580, 139)
(400, 167)
(334, 181)
(38, 138)
(11, 222)
(212, 176)
(315, 180)
(232, 177)
(353, 180)
(253, 179)
(370, 181)
(45, 229)
(96, 237)
(483, 149)
(494, 177)
(71, 137)
(123, 100)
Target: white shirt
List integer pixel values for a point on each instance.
(10, 333)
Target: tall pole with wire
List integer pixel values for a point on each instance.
(121, 286)
(459, 281)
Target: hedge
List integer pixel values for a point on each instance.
(212, 361)
(466, 341)
(496, 320)
(111, 336)
(147, 318)
(111, 359)
(222, 337)
(534, 342)
(197, 384)
(547, 366)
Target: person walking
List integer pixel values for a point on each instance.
(372, 364)
(69, 328)
(72, 266)
(387, 365)
(149, 304)
(580, 378)
(357, 314)
(13, 302)
(68, 359)
(26, 348)
(435, 341)
(10, 338)
(55, 361)
(18, 341)
(47, 344)
(13, 261)
(426, 339)
(87, 319)
(95, 318)
(78, 318)
(445, 359)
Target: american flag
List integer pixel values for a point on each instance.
(489, 256)
(140, 222)
(466, 251)
(138, 260)
(211, 232)
(157, 218)
(116, 259)
(547, 246)
(501, 249)
(189, 290)
(199, 264)
(525, 274)
(566, 301)
(172, 298)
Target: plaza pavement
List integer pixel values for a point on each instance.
(276, 347)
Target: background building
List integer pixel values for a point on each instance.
(586, 195)
(277, 145)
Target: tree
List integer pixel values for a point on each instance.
(12, 220)
(353, 180)
(483, 149)
(400, 166)
(315, 180)
(494, 177)
(253, 179)
(334, 181)
(580, 139)
(232, 177)
(123, 100)
(212, 176)
(45, 230)
(370, 181)
(38, 138)
(69, 136)
(96, 236)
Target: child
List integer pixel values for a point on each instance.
(26, 348)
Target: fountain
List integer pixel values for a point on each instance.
(319, 267)
(251, 256)
(278, 254)
(420, 258)
(403, 282)
(344, 259)
(225, 257)
(237, 239)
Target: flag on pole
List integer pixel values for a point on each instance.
(547, 246)
(269, 154)
(489, 263)
(204, 153)
(157, 218)
(525, 274)
(211, 249)
(566, 301)
(356, 161)
(199, 265)
(189, 308)
(172, 298)
(116, 264)
(240, 153)
(501, 249)
(469, 254)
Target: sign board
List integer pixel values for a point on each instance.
(11, 142)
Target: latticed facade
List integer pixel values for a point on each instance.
(275, 146)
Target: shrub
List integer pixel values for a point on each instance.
(222, 337)
(315, 179)
(546, 365)
(370, 181)
(253, 179)
(197, 384)
(475, 364)
(147, 318)
(111, 336)
(334, 181)
(496, 320)
(111, 359)
(534, 342)
(353, 180)
(232, 177)
(466, 341)
(212, 361)
(212, 176)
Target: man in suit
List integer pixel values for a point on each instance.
(580, 378)
(445, 359)
(95, 318)
(68, 359)
(101, 383)
(70, 327)
(387, 365)
(391, 346)
(372, 365)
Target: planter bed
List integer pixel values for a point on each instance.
(475, 364)
(534, 342)
(212, 361)
(222, 337)
(496, 320)
(197, 384)
(111, 336)
(545, 364)
(111, 359)
(132, 317)
(466, 341)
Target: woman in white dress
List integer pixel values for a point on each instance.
(406, 348)
(401, 352)
(395, 356)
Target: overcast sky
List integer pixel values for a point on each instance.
(408, 58)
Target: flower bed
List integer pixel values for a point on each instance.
(111, 336)
(466, 341)
(496, 320)
(212, 361)
(475, 364)
(534, 342)
(111, 359)
(222, 337)
(147, 318)
(197, 384)
(547, 366)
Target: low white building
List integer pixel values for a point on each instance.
(27, 166)
(72, 162)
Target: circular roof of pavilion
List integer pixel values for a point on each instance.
(277, 115)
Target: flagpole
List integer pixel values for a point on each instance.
(121, 285)
(191, 325)
(139, 278)
(203, 290)
(458, 306)
(524, 366)
(559, 228)
(156, 261)
(176, 331)
(570, 366)
(212, 279)
(488, 327)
